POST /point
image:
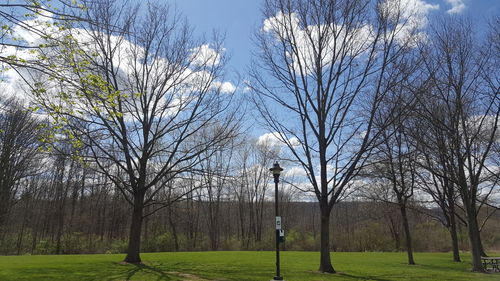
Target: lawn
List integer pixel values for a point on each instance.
(238, 266)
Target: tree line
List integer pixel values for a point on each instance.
(131, 138)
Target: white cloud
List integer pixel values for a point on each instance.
(407, 16)
(13, 86)
(410, 16)
(273, 139)
(205, 56)
(30, 33)
(457, 6)
(128, 58)
(270, 139)
(356, 41)
(225, 87)
(483, 125)
(294, 142)
(415, 11)
(42, 23)
(247, 88)
(294, 172)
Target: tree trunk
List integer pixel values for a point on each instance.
(261, 219)
(453, 222)
(483, 253)
(4, 205)
(395, 234)
(475, 241)
(325, 263)
(454, 238)
(134, 243)
(409, 247)
(60, 223)
(173, 228)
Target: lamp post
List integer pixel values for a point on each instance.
(276, 170)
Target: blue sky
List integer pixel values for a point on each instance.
(238, 19)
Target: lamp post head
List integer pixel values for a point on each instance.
(276, 170)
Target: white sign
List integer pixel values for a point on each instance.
(278, 223)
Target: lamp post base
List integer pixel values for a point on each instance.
(277, 278)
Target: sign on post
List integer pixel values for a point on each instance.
(278, 223)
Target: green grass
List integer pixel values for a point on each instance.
(238, 266)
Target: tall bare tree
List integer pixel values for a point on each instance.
(435, 177)
(324, 65)
(464, 79)
(251, 185)
(138, 91)
(398, 168)
(393, 164)
(215, 177)
(19, 150)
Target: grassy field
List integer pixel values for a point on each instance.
(238, 266)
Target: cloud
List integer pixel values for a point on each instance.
(273, 139)
(247, 86)
(294, 141)
(204, 56)
(457, 6)
(356, 41)
(294, 172)
(409, 16)
(483, 125)
(41, 25)
(225, 87)
(12, 86)
(414, 11)
(30, 33)
(179, 90)
(270, 139)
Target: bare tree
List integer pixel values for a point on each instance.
(325, 63)
(138, 92)
(19, 150)
(251, 184)
(398, 167)
(461, 70)
(215, 176)
(393, 164)
(435, 176)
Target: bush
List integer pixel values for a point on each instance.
(44, 247)
(8, 245)
(117, 247)
(160, 243)
(73, 243)
(298, 241)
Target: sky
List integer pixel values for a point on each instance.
(239, 19)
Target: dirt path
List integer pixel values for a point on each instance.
(189, 277)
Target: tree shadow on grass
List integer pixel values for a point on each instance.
(456, 267)
(357, 277)
(146, 272)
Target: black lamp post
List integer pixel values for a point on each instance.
(276, 169)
